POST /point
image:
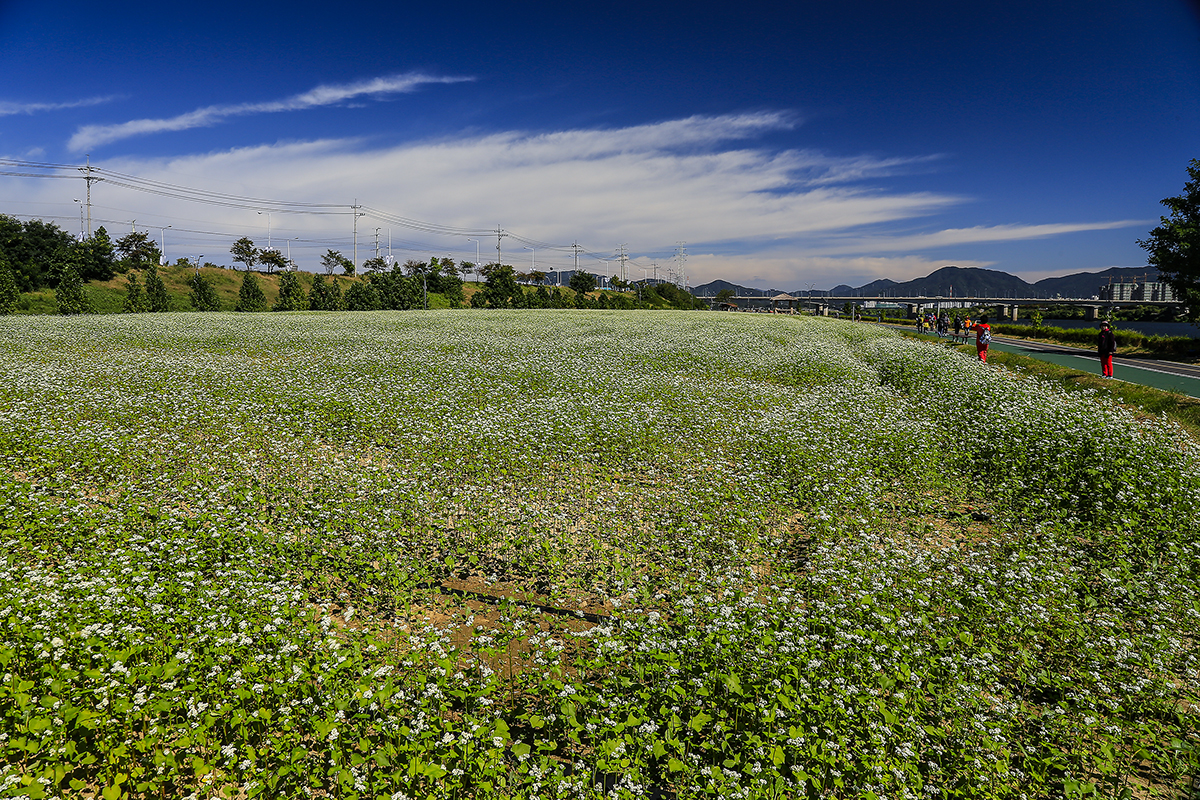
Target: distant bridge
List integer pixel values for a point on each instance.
(1006, 307)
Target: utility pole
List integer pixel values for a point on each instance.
(88, 179)
(624, 257)
(354, 208)
(500, 234)
(576, 248)
(377, 242)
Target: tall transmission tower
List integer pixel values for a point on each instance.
(681, 264)
(575, 246)
(624, 256)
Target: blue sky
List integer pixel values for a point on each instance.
(785, 143)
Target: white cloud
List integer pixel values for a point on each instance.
(9, 108)
(90, 136)
(870, 243)
(749, 214)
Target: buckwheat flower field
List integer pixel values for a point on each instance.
(568, 554)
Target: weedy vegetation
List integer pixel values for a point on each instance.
(581, 554)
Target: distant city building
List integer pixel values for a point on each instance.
(1137, 292)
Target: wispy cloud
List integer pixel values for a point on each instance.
(860, 242)
(93, 135)
(748, 212)
(9, 108)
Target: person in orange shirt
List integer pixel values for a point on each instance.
(983, 337)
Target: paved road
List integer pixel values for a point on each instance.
(1170, 376)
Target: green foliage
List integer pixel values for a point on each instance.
(1165, 345)
(135, 300)
(375, 265)
(319, 296)
(9, 294)
(138, 250)
(202, 294)
(291, 293)
(362, 296)
(274, 261)
(582, 282)
(455, 555)
(157, 298)
(250, 295)
(98, 259)
(397, 291)
(334, 260)
(32, 249)
(1174, 246)
(244, 252)
(70, 295)
(500, 288)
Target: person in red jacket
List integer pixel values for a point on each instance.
(1107, 346)
(983, 337)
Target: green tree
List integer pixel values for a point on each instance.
(10, 295)
(318, 295)
(32, 251)
(333, 260)
(582, 283)
(135, 299)
(362, 297)
(274, 261)
(375, 265)
(1174, 246)
(250, 295)
(156, 291)
(138, 250)
(725, 296)
(202, 295)
(99, 259)
(244, 251)
(501, 287)
(452, 289)
(291, 294)
(70, 295)
(334, 300)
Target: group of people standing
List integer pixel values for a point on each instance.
(941, 325)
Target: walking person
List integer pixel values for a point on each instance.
(983, 337)
(1107, 347)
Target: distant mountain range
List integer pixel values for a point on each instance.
(964, 282)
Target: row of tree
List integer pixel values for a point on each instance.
(40, 253)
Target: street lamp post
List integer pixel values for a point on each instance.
(268, 213)
(162, 241)
(532, 261)
(476, 241)
(289, 246)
